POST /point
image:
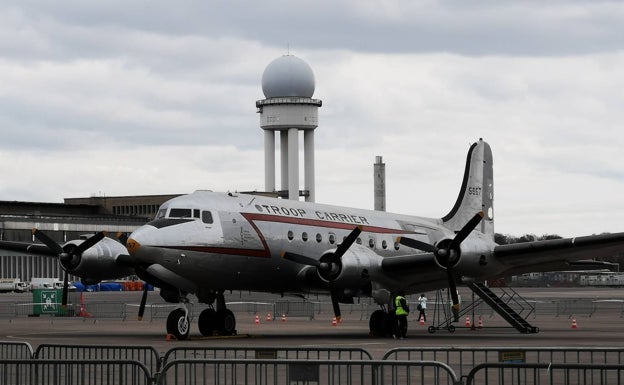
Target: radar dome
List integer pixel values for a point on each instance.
(288, 76)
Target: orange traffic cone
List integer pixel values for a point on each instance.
(257, 320)
(83, 311)
(269, 317)
(574, 326)
(422, 320)
(480, 325)
(170, 337)
(467, 321)
(283, 317)
(334, 321)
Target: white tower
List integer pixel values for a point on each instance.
(288, 85)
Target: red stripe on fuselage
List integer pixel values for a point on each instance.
(265, 252)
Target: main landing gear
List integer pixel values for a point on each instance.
(382, 323)
(211, 322)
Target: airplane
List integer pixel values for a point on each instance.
(207, 243)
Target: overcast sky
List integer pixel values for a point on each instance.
(157, 97)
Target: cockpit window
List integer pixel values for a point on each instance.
(206, 217)
(161, 213)
(180, 213)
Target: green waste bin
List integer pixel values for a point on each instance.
(48, 301)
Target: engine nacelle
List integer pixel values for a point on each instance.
(98, 262)
(354, 269)
(473, 261)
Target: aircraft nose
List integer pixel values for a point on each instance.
(132, 245)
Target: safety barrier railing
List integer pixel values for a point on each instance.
(10, 350)
(545, 373)
(274, 353)
(463, 360)
(252, 371)
(84, 372)
(147, 355)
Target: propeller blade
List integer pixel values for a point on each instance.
(90, 242)
(143, 301)
(43, 238)
(65, 289)
(466, 230)
(348, 241)
(336, 306)
(416, 244)
(302, 259)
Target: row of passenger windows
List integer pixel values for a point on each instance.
(332, 240)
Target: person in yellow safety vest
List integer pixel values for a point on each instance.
(401, 309)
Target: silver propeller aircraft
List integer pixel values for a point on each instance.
(206, 243)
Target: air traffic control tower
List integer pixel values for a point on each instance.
(288, 85)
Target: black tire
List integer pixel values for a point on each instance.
(178, 324)
(451, 328)
(207, 322)
(377, 323)
(431, 329)
(226, 322)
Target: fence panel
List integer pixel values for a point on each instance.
(10, 350)
(545, 373)
(274, 353)
(58, 372)
(146, 355)
(254, 372)
(462, 360)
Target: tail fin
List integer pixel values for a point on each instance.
(476, 193)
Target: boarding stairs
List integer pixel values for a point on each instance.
(505, 304)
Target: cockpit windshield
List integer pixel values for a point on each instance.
(161, 213)
(180, 213)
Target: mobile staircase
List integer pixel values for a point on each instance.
(503, 306)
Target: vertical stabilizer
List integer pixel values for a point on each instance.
(476, 193)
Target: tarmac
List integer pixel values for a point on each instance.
(601, 329)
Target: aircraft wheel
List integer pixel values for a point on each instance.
(226, 322)
(207, 322)
(451, 328)
(377, 323)
(431, 329)
(178, 324)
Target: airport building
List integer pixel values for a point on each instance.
(73, 219)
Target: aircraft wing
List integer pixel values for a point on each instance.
(557, 254)
(28, 248)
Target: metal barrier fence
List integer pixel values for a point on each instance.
(320, 372)
(10, 350)
(146, 355)
(462, 360)
(274, 353)
(118, 310)
(536, 374)
(84, 372)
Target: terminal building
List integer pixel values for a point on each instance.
(73, 219)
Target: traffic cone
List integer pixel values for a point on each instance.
(257, 320)
(269, 317)
(283, 317)
(574, 326)
(334, 321)
(170, 337)
(422, 320)
(83, 311)
(480, 323)
(467, 321)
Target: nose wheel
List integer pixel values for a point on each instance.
(178, 323)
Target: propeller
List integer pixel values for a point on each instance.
(143, 301)
(329, 266)
(447, 252)
(69, 255)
